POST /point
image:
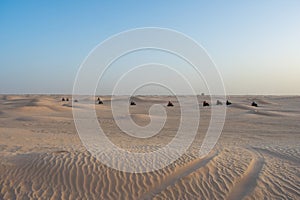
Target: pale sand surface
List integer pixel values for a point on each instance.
(257, 155)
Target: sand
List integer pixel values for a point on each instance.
(256, 157)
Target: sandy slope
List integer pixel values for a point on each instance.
(257, 156)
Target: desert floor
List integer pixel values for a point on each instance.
(256, 157)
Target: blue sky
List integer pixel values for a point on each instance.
(255, 44)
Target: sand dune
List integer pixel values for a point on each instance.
(256, 157)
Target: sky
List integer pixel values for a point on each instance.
(254, 44)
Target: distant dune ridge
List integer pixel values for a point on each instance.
(256, 157)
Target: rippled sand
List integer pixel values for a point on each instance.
(257, 155)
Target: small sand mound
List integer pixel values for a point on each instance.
(3, 97)
(21, 102)
(37, 109)
(266, 113)
(25, 119)
(61, 151)
(243, 107)
(32, 102)
(67, 105)
(146, 99)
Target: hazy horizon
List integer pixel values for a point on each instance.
(120, 95)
